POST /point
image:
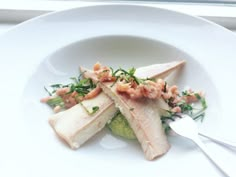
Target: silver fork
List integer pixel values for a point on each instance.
(221, 141)
(186, 127)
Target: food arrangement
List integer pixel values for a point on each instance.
(134, 104)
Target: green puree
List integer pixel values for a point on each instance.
(120, 126)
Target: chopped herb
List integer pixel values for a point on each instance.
(132, 71)
(112, 71)
(127, 75)
(199, 116)
(95, 109)
(81, 86)
(149, 79)
(166, 127)
(75, 79)
(202, 100)
(115, 72)
(164, 118)
(165, 87)
(57, 101)
(185, 107)
(92, 85)
(114, 82)
(106, 70)
(185, 93)
(81, 75)
(197, 96)
(49, 93)
(56, 86)
(131, 109)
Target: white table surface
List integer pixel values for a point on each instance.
(5, 26)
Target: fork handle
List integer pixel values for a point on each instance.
(221, 166)
(220, 141)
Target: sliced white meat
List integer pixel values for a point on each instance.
(76, 125)
(144, 118)
(158, 70)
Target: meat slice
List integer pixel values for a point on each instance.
(144, 118)
(76, 125)
(158, 70)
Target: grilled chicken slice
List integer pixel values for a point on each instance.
(158, 70)
(143, 117)
(76, 126)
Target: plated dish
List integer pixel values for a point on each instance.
(133, 103)
(34, 54)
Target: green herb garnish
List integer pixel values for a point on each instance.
(185, 107)
(49, 93)
(128, 76)
(95, 109)
(57, 101)
(165, 87)
(199, 116)
(90, 112)
(79, 85)
(202, 100)
(131, 71)
(185, 93)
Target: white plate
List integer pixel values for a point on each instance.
(50, 48)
